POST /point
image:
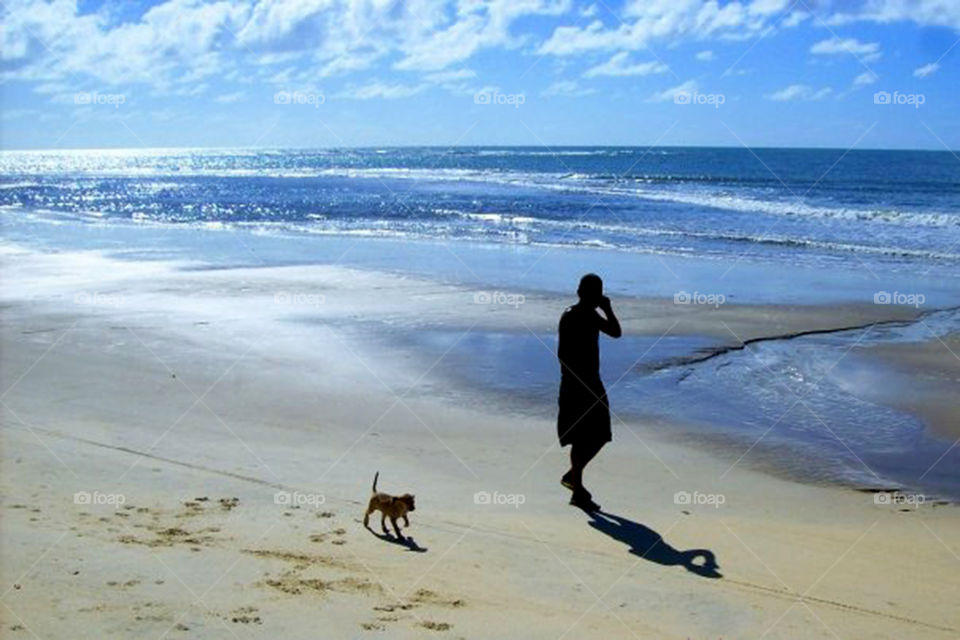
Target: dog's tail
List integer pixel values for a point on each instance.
(376, 475)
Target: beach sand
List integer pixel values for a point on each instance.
(223, 466)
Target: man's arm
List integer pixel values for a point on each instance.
(609, 323)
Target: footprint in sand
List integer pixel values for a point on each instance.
(425, 596)
(245, 615)
(436, 626)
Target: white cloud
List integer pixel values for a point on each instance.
(477, 26)
(176, 47)
(926, 70)
(944, 13)
(794, 19)
(799, 92)
(568, 88)
(864, 79)
(646, 20)
(381, 90)
(228, 98)
(450, 76)
(764, 7)
(668, 95)
(868, 51)
(619, 65)
(180, 42)
(13, 114)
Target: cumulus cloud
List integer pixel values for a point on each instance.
(647, 20)
(477, 26)
(944, 13)
(669, 95)
(179, 47)
(799, 92)
(178, 42)
(450, 76)
(926, 70)
(864, 79)
(620, 65)
(568, 88)
(794, 19)
(228, 98)
(867, 51)
(381, 90)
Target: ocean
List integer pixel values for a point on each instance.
(776, 226)
(786, 205)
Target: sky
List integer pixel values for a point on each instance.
(331, 73)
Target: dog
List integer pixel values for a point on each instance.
(393, 507)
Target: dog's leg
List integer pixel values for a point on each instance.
(366, 516)
(406, 521)
(383, 523)
(393, 521)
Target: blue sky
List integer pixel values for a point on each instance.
(179, 73)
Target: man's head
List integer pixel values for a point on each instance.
(590, 289)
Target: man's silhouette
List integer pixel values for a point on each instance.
(584, 419)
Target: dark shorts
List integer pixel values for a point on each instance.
(584, 412)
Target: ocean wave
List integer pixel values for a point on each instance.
(587, 183)
(505, 227)
(547, 224)
(666, 188)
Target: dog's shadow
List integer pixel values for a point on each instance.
(408, 542)
(650, 545)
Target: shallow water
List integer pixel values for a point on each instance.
(789, 403)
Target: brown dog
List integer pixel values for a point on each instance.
(393, 507)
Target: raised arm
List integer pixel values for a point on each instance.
(609, 323)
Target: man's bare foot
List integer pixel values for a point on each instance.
(567, 482)
(584, 500)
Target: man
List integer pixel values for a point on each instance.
(584, 418)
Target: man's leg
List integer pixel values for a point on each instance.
(581, 453)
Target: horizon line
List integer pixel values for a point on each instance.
(480, 146)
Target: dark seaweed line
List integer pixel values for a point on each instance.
(711, 353)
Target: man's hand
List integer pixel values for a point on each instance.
(609, 325)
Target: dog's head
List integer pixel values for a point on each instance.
(408, 500)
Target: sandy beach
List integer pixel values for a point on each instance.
(188, 454)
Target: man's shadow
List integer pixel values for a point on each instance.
(649, 545)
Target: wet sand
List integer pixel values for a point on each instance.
(927, 380)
